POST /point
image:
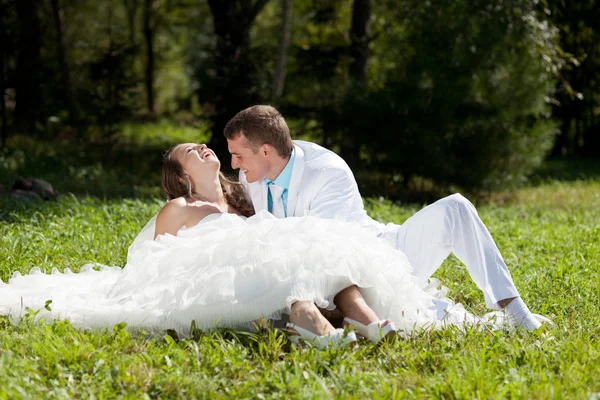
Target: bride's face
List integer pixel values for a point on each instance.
(196, 159)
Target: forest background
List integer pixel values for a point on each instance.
(417, 96)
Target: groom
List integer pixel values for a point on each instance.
(297, 178)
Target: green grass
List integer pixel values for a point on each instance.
(551, 246)
(549, 234)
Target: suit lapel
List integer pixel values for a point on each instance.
(294, 188)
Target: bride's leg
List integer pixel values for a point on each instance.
(353, 305)
(306, 315)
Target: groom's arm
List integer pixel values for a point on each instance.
(337, 195)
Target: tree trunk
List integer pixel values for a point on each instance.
(67, 85)
(359, 38)
(4, 128)
(359, 56)
(286, 29)
(149, 38)
(234, 83)
(28, 71)
(131, 7)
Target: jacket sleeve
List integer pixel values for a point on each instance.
(337, 195)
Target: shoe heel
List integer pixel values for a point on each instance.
(388, 333)
(374, 335)
(336, 338)
(358, 327)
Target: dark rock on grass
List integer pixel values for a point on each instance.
(19, 194)
(33, 189)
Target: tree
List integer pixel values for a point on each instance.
(28, 71)
(359, 57)
(67, 85)
(360, 33)
(131, 7)
(284, 41)
(149, 31)
(577, 99)
(465, 94)
(3, 39)
(234, 84)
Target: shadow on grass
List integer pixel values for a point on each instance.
(423, 191)
(115, 171)
(567, 170)
(130, 167)
(94, 170)
(125, 164)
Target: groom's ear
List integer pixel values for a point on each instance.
(266, 149)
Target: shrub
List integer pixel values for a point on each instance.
(460, 95)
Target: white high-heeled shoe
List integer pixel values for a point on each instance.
(375, 332)
(336, 338)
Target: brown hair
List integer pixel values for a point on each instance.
(173, 187)
(260, 125)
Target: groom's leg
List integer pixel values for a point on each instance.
(453, 225)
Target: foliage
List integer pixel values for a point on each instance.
(114, 85)
(458, 92)
(549, 237)
(468, 103)
(577, 103)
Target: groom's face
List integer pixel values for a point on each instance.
(254, 162)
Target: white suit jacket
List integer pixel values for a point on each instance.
(321, 184)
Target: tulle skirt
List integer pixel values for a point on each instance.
(231, 272)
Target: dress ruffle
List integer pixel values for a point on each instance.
(230, 272)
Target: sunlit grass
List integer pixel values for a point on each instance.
(549, 236)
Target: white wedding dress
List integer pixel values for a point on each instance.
(228, 271)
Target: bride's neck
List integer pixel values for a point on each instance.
(211, 192)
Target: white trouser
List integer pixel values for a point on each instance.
(452, 225)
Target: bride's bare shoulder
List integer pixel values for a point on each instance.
(179, 212)
(181, 205)
(174, 205)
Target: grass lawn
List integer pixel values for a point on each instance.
(549, 234)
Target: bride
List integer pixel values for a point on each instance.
(206, 258)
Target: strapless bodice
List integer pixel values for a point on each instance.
(210, 218)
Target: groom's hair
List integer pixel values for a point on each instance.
(259, 125)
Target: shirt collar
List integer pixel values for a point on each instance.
(284, 177)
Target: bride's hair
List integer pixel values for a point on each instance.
(173, 185)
